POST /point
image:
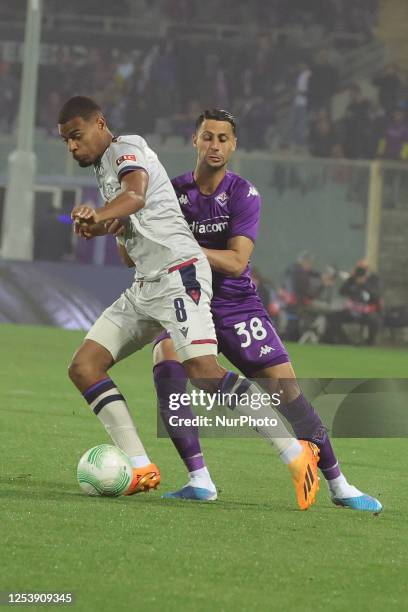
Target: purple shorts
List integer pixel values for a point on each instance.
(248, 340)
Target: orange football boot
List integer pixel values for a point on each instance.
(304, 474)
(144, 479)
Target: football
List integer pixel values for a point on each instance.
(104, 470)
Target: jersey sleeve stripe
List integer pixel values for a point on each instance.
(128, 169)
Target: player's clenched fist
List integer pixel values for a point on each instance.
(84, 229)
(84, 214)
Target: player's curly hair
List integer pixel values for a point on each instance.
(78, 106)
(219, 115)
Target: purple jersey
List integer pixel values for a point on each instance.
(244, 331)
(232, 210)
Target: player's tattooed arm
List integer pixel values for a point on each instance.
(134, 187)
(234, 259)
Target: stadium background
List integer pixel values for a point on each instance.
(328, 187)
(314, 165)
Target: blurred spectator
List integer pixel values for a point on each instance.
(267, 293)
(394, 143)
(146, 68)
(255, 115)
(221, 97)
(125, 69)
(379, 122)
(164, 77)
(221, 66)
(302, 284)
(8, 98)
(300, 109)
(48, 113)
(116, 111)
(389, 86)
(328, 279)
(214, 82)
(322, 137)
(183, 123)
(284, 54)
(323, 83)
(140, 112)
(263, 67)
(356, 126)
(98, 71)
(315, 317)
(364, 305)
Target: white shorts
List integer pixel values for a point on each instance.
(178, 302)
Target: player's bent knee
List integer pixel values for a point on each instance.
(89, 364)
(82, 372)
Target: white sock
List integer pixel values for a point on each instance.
(139, 461)
(292, 450)
(201, 478)
(339, 487)
(110, 407)
(287, 446)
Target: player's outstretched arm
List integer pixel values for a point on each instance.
(234, 259)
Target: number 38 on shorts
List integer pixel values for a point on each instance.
(251, 330)
(251, 344)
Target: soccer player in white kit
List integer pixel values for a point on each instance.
(172, 290)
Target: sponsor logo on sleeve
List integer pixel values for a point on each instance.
(123, 158)
(252, 191)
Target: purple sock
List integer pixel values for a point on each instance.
(308, 425)
(170, 377)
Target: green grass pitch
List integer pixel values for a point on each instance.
(251, 550)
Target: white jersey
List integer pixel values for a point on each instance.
(157, 236)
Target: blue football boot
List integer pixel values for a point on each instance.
(192, 493)
(359, 502)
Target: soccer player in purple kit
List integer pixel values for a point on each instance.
(223, 211)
